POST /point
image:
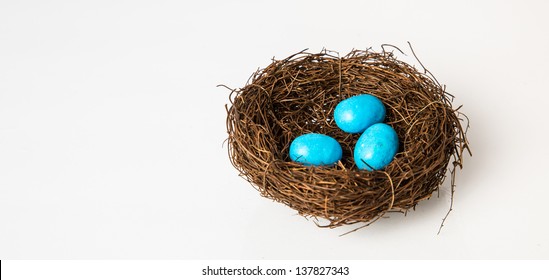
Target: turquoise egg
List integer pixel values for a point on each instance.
(315, 149)
(357, 113)
(376, 147)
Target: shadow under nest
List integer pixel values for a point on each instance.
(298, 95)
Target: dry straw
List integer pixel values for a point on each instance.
(298, 95)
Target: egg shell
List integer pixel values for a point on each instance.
(376, 147)
(315, 149)
(357, 113)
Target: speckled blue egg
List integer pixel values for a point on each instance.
(376, 147)
(357, 113)
(315, 149)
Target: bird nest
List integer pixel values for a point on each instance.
(298, 95)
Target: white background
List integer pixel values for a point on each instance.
(111, 128)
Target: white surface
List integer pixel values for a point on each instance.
(111, 127)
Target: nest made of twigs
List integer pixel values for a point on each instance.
(297, 95)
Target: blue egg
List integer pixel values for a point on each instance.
(315, 149)
(357, 113)
(376, 147)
